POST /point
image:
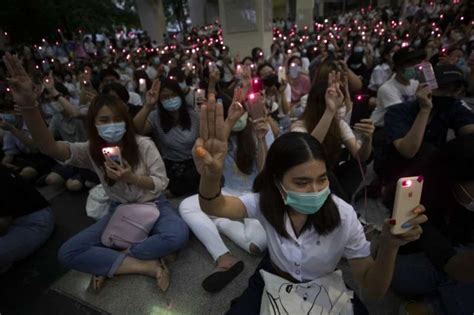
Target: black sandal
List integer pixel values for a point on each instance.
(222, 277)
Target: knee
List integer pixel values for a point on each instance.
(66, 254)
(54, 179)
(188, 206)
(73, 185)
(28, 173)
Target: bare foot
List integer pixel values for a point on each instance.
(226, 261)
(97, 283)
(162, 276)
(254, 249)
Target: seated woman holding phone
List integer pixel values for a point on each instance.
(308, 229)
(247, 147)
(175, 126)
(132, 173)
(323, 121)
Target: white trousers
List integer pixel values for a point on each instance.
(207, 228)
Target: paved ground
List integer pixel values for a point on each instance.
(139, 294)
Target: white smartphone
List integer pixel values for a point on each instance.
(425, 74)
(113, 153)
(281, 74)
(407, 198)
(142, 85)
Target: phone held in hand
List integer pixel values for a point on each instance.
(425, 74)
(142, 85)
(407, 198)
(281, 74)
(257, 85)
(255, 106)
(113, 153)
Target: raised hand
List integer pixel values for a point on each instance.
(334, 96)
(366, 128)
(210, 148)
(20, 83)
(423, 94)
(409, 236)
(153, 94)
(236, 110)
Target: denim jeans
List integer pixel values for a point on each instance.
(415, 276)
(86, 253)
(25, 235)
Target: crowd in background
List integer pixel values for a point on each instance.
(351, 82)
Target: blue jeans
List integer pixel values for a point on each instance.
(25, 236)
(416, 276)
(86, 253)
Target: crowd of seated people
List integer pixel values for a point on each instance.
(270, 151)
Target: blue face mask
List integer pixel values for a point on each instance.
(112, 133)
(9, 118)
(306, 203)
(409, 73)
(172, 104)
(241, 123)
(183, 85)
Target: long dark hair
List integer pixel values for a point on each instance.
(96, 143)
(286, 152)
(314, 111)
(245, 156)
(167, 121)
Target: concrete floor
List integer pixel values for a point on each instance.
(136, 294)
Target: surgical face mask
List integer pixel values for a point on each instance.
(183, 85)
(51, 108)
(306, 203)
(9, 118)
(331, 47)
(294, 71)
(461, 63)
(172, 104)
(122, 65)
(409, 73)
(156, 60)
(241, 123)
(112, 133)
(417, 43)
(358, 49)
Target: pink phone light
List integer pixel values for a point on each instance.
(359, 98)
(252, 96)
(255, 81)
(406, 183)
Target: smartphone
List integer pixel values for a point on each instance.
(255, 106)
(281, 74)
(257, 85)
(142, 85)
(199, 97)
(425, 74)
(113, 153)
(407, 198)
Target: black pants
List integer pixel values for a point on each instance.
(249, 302)
(183, 176)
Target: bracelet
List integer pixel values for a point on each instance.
(212, 198)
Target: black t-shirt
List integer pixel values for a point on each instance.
(18, 198)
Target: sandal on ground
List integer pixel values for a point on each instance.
(163, 277)
(97, 283)
(222, 277)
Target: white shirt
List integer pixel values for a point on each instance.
(390, 93)
(379, 76)
(135, 99)
(311, 256)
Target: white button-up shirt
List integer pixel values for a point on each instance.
(311, 256)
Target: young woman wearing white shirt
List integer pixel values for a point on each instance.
(308, 229)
